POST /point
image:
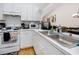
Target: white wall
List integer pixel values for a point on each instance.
(64, 14)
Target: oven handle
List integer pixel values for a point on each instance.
(8, 46)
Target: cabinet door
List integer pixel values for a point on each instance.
(12, 7)
(47, 48)
(1, 9)
(1, 16)
(30, 13)
(8, 7)
(36, 43)
(43, 47)
(24, 14)
(36, 14)
(27, 13)
(26, 39)
(33, 14)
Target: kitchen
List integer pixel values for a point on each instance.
(42, 28)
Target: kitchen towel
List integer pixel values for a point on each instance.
(6, 36)
(13, 36)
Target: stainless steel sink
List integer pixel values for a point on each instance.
(64, 40)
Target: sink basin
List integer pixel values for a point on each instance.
(64, 40)
(47, 33)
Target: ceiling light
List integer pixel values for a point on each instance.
(76, 15)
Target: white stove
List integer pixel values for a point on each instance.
(10, 46)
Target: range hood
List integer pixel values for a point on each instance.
(76, 15)
(11, 13)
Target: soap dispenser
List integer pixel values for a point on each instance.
(51, 31)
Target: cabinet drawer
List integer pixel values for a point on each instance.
(9, 49)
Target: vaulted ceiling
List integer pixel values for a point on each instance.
(41, 5)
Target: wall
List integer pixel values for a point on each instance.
(48, 9)
(64, 15)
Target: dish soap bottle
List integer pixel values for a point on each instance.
(51, 30)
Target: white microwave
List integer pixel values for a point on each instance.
(33, 26)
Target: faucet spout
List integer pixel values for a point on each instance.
(70, 34)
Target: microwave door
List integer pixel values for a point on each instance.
(33, 26)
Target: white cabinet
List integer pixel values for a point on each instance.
(30, 13)
(33, 14)
(9, 7)
(36, 14)
(1, 8)
(1, 16)
(43, 47)
(12, 9)
(24, 14)
(11, 13)
(25, 38)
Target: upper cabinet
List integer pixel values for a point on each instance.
(24, 13)
(1, 17)
(1, 8)
(36, 14)
(12, 9)
(30, 13)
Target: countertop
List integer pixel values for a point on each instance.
(74, 31)
(68, 51)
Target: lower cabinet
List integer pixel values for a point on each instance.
(43, 47)
(25, 38)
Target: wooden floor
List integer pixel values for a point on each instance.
(27, 51)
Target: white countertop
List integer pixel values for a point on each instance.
(71, 51)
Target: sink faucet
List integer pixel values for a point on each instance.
(70, 34)
(59, 29)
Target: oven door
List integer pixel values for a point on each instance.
(9, 37)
